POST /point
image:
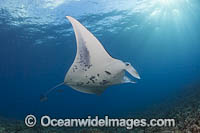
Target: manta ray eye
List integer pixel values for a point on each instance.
(127, 64)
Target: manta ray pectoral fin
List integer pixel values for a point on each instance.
(89, 50)
(130, 69)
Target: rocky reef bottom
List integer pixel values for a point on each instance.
(185, 109)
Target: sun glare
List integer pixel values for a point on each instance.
(164, 2)
(166, 13)
(166, 8)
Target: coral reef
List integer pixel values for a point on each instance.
(185, 110)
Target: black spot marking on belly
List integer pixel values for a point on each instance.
(104, 82)
(89, 66)
(92, 78)
(98, 74)
(75, 67)
(84, 69)
(107, 72)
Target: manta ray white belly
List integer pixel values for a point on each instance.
(93, 80)
(93, 69)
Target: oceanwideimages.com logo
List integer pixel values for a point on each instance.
(47, 121)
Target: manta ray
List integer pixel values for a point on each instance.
(93, 69)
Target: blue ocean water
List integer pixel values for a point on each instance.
(160, 38)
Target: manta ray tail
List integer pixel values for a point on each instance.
(44, 96)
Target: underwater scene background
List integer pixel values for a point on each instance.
(160, 38)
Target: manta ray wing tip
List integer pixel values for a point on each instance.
(68, 17)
